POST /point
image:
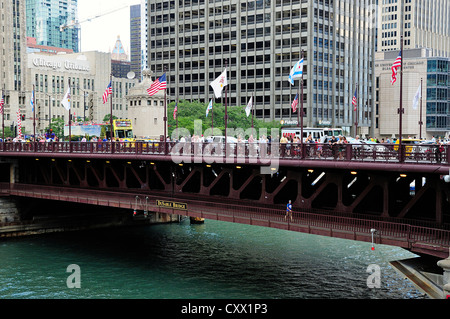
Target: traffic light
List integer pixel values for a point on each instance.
(23, 118)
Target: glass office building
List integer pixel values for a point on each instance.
(438, 95)
(44, 21)
(261, 41)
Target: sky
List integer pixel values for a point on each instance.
(100, 34)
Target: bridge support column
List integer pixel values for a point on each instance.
(8, 211)
(445, 264)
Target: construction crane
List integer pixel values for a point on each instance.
(73, 23)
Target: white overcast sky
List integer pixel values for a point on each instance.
(100, 34)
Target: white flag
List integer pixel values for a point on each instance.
(219, 83)
(417, 97)
(248, 109)
(66, 100)
(296, 71)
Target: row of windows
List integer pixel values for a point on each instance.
(438, 122)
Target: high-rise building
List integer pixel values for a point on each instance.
(13, 61)
(44, 19)
(423, 23)
(135, 37)
(144, 38)
(259, 42)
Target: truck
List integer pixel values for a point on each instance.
(122, 130)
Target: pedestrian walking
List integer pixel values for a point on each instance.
(288, 210)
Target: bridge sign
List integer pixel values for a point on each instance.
(174, 205)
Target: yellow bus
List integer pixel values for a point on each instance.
(123, 130)
(409, 144)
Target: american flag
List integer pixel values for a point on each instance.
(2, 102)
(175, 111)
(19, 124)
(395, 66)
(159, 84)
(108, 91)
(355, 99)
(295, 104)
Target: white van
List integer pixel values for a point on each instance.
(316, 133)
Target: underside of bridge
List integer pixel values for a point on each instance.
(418, 197)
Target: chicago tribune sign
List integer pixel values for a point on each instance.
(58, 64)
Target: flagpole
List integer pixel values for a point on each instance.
(301, 113)
(212, 118)
(420, 120)
(253, 103)
(70, 120)
(176, 105)
(165, 118)
(3, 115)
(111, 128)
(356, 112)
(34, 115)
(401, 102)
(226, 112)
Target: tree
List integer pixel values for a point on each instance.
(188, 112)
(107, 118)
(57, 127)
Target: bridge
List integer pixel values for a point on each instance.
(354, 191)
(375, 193)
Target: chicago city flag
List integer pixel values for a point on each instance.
(219, 83)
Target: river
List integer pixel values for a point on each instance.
(214, 260)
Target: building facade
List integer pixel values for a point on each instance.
(421, 69)
(88, 74)
(135, 37)
(13, 81)
(423, 23)
(146, 112)
(259, 42)
(44, 19)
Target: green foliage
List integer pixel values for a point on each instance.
(57, 127)
(188, 112)
(107, 117)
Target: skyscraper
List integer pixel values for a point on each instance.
(135, 37)
(424, 24)
(44, 19)
(13, 61)
(260, 42)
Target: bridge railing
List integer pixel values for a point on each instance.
(417, 153)
(398, 233)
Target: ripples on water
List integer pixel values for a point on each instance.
(213, 260)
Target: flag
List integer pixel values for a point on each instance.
(159, 84)
(107, 92)
(19, 125)
(395, 66)
(296, 71)
(417, 97)
(2, 102)
(209, 108)
(355, 99)
(219, 83)
(295, 104)
(32, 100)
(248, 109)
(175, 111)
(66, 100)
